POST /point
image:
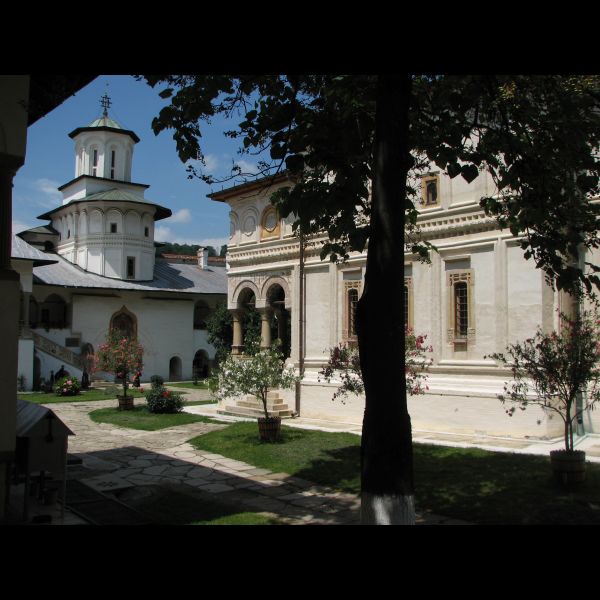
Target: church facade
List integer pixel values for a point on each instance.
(93, 267)
(477, 295)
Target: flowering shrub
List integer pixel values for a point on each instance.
(67, 386)
(254, 375)
(162, 400)
(120, 355)
(550, 369)
(344, 361)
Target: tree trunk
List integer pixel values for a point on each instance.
(387, 490)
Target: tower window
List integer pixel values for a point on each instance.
(146, 231)
(130, 267)
(95, 162)
(112, 164)
(113, 228)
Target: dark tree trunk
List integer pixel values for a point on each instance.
(387, 491)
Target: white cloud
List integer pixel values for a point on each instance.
(212, 162)
(162, 234)
(181, 216)
(51, 197)
(246, 166)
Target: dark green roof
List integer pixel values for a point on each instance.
(114, 195)
(105, 123)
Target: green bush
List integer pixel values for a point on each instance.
(162, 400)
(67, 386)
(156, 381)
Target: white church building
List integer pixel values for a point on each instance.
(477, 295)
(93, 266)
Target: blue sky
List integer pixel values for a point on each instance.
(50, 162)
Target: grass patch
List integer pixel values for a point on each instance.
(188, 385)
(320, 457)
(199, 402)
(85, 396)
(141, 418)
(180, 505)
(479, 486)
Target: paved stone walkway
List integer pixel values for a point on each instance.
(114, 458)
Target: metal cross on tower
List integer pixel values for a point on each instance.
(105, 103)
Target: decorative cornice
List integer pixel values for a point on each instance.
(472, 220)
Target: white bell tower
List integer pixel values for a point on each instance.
(103, 148)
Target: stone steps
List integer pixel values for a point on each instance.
(240, 411)
(253, 407)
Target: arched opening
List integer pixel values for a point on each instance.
(125, 322)
(175, 369)
(48, 246)
(34, 312)
(201, 365)
(87, 354)
(279, 322)
(53, 313)
(201, 314)
(246, 323)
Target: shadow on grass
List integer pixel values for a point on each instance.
(500, 488)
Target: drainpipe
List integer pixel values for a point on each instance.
(300, 327)
(580, 430)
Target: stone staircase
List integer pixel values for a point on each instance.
(60, 352)
(251, 406)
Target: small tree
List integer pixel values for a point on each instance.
(549, 370)
(120, 355)
(256, 374)
(344, 360)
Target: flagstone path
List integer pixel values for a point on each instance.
(115, 458)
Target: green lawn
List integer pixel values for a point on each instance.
(188, 385)
(141, 418)
(85, 396)
(328, 458)
(470, 484)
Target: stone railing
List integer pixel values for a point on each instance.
(56, 350)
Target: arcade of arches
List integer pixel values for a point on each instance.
(275, 319)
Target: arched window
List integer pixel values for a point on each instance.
(175, 369)
(125, 322)
(430, 190)
(94, 162)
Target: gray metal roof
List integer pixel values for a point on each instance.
(168, 277)
(31, 421)
(21, 250)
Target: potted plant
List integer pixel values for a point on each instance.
(257, 375)
(550, 370)
(120, 355)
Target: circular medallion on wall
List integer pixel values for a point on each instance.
(270, 221)
(249, 225)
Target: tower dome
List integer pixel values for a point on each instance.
(104, 148)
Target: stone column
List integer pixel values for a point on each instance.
(281, 315)
(10, 290)
(265, 327)
(238, 341)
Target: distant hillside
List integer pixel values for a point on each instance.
(173, 248)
